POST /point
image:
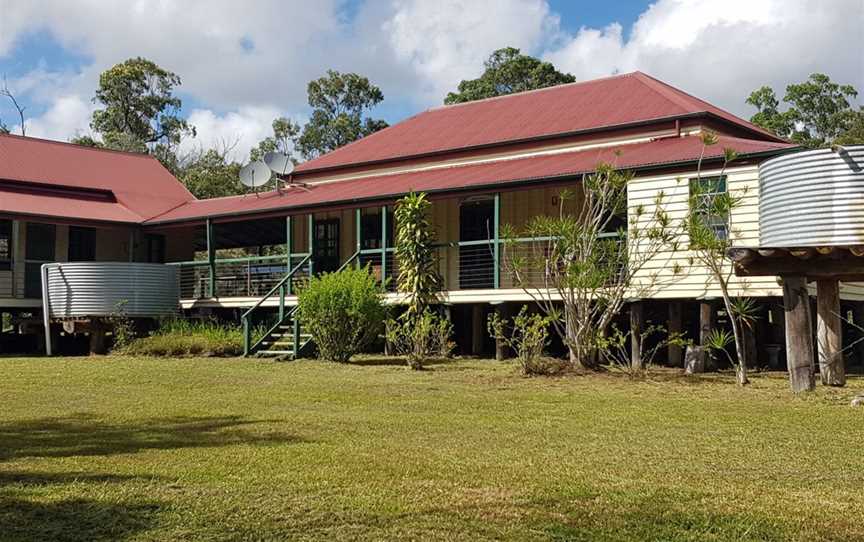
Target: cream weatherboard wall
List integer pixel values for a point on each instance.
(694, 281)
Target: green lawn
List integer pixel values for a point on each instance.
(210, 449)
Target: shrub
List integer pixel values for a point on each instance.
(177, 337)
(528, 336)
(343, 311)
(422, 337)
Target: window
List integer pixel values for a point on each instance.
(38, 249)
(82, 244)
(370, 228)
(5, 245)
(704, 193)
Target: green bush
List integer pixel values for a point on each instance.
(421, 338)
(176, 338)
(343, 311)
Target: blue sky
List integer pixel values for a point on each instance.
(244, 63)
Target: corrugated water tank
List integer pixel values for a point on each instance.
(136, 290)
(812, 198)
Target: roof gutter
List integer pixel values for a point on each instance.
(476, 188)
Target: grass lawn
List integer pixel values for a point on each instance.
(227, 449)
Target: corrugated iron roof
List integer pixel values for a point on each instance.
(142, 187)
(610, 102)
(472, 176)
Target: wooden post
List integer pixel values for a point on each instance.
(829, 333)
(706, 321)
(478, 326)
(674, 352)
(858, 320)
(637, 323)
(751, 358)
(799, 341)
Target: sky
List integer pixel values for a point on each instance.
(243, 63)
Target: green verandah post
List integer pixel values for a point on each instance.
(496, 254)
(289, 242)
(383, 246)
(311, 224)
(211, 259)
(357, 222)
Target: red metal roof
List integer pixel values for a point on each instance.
(566, 109)
(141, 186)
(472, 176)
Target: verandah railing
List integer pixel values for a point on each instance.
(464, 265)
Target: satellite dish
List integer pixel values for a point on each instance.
(255, 174)
(280, 163)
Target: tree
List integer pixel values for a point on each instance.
(338, 101)
(140, 110)
(581, 265)
(210, 174)
(818, 112)
(507, 71)
(711, 236)
(284, 138)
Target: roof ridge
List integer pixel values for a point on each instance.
(676, 94)
(79, 146)
(533, 91)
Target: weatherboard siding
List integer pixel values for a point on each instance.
(694, 281)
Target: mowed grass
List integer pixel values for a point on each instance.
(230, 449)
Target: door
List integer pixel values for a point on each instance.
(326, 253)
(82, 244)
(38, 249)
(476, 261)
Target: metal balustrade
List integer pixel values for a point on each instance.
(465, 265)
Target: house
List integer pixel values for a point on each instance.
(484, 164)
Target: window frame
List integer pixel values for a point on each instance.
(7, 245)
(719, 223)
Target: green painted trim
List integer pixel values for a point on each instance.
(496, 254)
(311, 224)
(357, 222)
(383, 245)
(289, 240)
(211, 259)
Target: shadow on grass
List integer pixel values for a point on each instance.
(400, 361)
(74, 519)
(86, 435)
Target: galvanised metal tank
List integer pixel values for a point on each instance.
(812, 198)
(90, 289)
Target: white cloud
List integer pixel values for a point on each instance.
(248, 60)
(720, 51)
(68, 116)
(238, 130)
(446, 41)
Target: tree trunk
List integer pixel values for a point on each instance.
(799, 342)
(829, 329)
